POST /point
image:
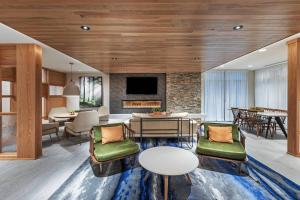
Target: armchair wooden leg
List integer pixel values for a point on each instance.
(257, 130)
(100, 168)
(200, 160)
(241, 168)
(95, 168)
(132, 161)
(80, 139)
(50, 138)
(188, 178)
(66, 134)
(57, 129)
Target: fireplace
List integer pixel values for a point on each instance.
(141, 103)
(123, 103)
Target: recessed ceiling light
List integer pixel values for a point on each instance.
(221, 66)
(262, 50)
(239, 27)
(85, 28)
(250, 66)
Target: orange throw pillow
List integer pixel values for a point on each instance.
(220, 134)
(112, 134)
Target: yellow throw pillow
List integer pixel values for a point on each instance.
(220, 134)
(112, 134)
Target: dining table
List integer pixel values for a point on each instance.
(278, 118)
(66, 115)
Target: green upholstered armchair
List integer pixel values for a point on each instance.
(102, 153)
(226, 151)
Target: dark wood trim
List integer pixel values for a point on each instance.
(8, 113)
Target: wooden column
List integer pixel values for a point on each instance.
(0, 110)
(29, 107)
(294, 97)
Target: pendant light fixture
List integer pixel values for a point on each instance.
(71, 89)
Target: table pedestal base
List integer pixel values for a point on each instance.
(166, 185)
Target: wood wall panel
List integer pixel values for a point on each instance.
(29, 113)
(55, 101)
(56, 78)
(8, 74)
(8, 55)
(45, 90)
(294, 97)
(13, 102)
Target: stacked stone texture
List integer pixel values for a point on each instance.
(183, 92)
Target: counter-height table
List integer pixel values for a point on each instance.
(278, 118)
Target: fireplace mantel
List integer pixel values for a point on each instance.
(141, 103)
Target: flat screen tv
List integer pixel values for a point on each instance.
(141, 85)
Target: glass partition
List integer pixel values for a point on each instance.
(8, 133)
(8, 117)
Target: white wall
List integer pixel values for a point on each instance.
(73, 102)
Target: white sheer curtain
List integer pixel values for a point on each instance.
(236, 92)
(223, 90)
(271, 86)
(214, 95)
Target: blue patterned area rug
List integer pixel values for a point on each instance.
(214, 179)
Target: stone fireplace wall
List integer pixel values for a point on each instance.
(178, 92)
(118, 93)
(183, 92)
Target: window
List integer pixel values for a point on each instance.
(56, 90)
(8, 99)
(8, 117)
(44, 75)
(271, 87)
(223, 90)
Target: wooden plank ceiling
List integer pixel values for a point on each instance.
(153, 36)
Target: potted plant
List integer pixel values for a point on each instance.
(156, 111)
(72, 111)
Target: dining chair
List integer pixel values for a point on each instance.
(235, 113)
(243, 113)
(255, 121)
(82, 123)
(49, 128)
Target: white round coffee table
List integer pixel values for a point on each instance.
(168, 161)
